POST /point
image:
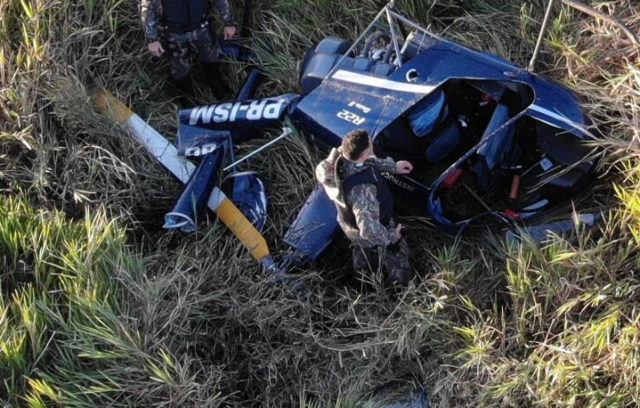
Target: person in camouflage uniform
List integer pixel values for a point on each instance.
(351, 176)
(187, 29)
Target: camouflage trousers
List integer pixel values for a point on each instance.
(393, 259)
(182, 46)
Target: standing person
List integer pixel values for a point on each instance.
(351, 176)
(186, 25)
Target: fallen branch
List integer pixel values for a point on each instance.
(611, 20)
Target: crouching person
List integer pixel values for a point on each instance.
(352, 178)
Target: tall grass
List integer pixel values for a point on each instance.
(99, 307)
(66, 335)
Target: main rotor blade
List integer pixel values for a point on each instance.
(167, 155)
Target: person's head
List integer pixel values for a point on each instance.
(357, 146)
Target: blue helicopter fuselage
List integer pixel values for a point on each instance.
(355, 95)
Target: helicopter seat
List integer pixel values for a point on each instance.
(431, 120)
(382, 69)
(495, 144)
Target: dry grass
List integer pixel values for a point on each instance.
(99, 307)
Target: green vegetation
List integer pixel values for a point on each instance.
(99, 307)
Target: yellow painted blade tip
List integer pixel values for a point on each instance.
(112, 106)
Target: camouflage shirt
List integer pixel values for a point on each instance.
(151, 18)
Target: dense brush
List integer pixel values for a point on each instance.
(100, 307)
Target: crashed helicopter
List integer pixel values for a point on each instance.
(489, 140)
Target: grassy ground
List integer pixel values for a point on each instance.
(99, 307)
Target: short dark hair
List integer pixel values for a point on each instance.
(355, 143)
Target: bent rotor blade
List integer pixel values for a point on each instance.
(167, 155)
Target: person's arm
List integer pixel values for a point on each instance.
(386, 165)
(150, 20)
(150, 11)
(225, 11)
(389, 165)
(227, 16)
(366, 210)
(351, 233)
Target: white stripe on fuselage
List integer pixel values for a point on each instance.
(368, 80)
(561, 118)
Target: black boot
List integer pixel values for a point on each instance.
(213, 78)
(186, 93)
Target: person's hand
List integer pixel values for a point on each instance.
(229, 32)
(398, 232)
(403, 167)
(155, 48)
